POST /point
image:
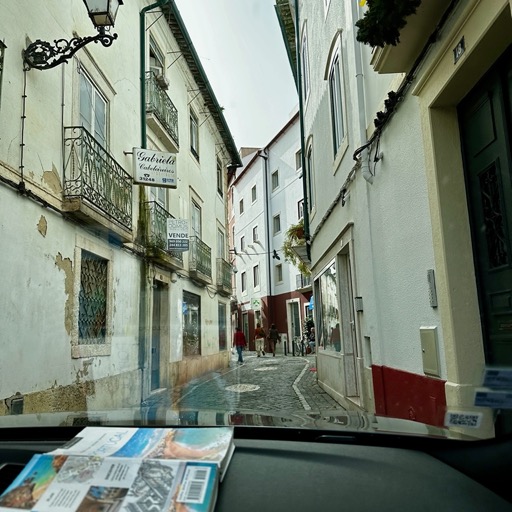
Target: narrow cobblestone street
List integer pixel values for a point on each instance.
(271, 384)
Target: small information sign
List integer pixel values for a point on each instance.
(177, 235)
(498, 378)
(493, 399)
(255, 304)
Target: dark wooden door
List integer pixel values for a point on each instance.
(485, 123)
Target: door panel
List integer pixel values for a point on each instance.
(484, 118)
(156, 335)
(348, 326)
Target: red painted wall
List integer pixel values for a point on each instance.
(273, 310)
(410, 396)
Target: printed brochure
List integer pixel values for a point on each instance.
(132, 469)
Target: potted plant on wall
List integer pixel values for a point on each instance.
(294, 237)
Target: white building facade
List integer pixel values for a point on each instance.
(406, 203)
(267, 198)
(110, 314)
(369, 223)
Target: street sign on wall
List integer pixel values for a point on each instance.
(255, 304)
(154, 168)
(177, 235)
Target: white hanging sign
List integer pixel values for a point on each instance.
(154, 168)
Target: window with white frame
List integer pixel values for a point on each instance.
(93, 293)
(241, 206)
(243, 281)
(300, 209)
(275, 180)
(279, 273)
(255, 234)
(298, 160)
(256, 275)
(156, 59)
(242, 243)
(196, 220)
(305, 64)
(194, 135)
(220, 179)
(221, 244)
(309, 177)
(159, 195)
(93, 109)
(253, 193)
(276, 223)
(222, 322)
(92, 299)
(337, 100)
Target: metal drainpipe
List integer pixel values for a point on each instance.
(264, 154)
(145, 273)
(305, 172)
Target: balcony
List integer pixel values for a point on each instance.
(97, 190)
(161, 114)
(413, 37)
(302, 282)
(224, 273)
(200, 261)
(156, 237)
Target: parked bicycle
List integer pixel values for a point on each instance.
(298, 346)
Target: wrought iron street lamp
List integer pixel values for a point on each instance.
(44, 55)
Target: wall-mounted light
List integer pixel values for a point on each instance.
(44, 55)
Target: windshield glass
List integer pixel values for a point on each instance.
(271, 212)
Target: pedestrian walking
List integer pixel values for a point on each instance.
(239, 343)
(259, 339)
(273, 338)
(312, 341)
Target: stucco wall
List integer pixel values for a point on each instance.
(39, 302)
(391, 236)
(38, 299)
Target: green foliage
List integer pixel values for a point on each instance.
(383, 20)
(295, 236)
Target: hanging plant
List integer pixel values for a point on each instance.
(382, 22)
(294, 237)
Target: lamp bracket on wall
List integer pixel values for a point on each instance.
(45, 55)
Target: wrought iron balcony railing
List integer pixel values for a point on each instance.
(92, 175)
(200, 258)
(302, 281)
(224, 274)
(159, 104)
(157, 229)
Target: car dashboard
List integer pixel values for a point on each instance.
(298, 470)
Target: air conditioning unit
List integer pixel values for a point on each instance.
(162, 81)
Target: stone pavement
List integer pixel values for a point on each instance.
(266, 384)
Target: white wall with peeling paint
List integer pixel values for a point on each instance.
(38, 261)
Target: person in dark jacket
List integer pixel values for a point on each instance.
(273, 338)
